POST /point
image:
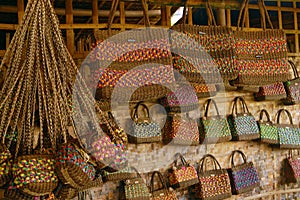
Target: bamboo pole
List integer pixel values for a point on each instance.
(296, 27)
(21, 10)
(168, 15)
(190, 16)
(70, 32)
(122, 15)
(228, 17)
(95, 16)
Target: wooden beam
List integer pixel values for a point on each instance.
(70, 32)
(7, 40)
(95, 16)
(296, 27)
(20, 10)
(122, 14)
(163, 16)
(279, 14)
(190, 16)
(228, 17)
(168, 15)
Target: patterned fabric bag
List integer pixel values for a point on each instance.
(208, 51)
(143, 130)
(274, 91)
(180, 129)
(163, 193)
(214, 183)
(183, 99)
(289, 134)
(243, 177)
(213, 129)
(292, 88)
(268, 131)
(243, 125)
(132, 189)
(292, 168)
(182, 175)
(261, 56)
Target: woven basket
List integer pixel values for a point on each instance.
(10, 194)
(5, 164)
(123, 174)
(65, 192)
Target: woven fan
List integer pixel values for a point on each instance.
(41, 78)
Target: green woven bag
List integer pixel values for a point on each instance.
(268, 132)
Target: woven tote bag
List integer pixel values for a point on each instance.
(162, 193)
(292, 88)
(268, 130)
(261, 56)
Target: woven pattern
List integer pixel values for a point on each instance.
(136, 189)
(163, 195)
(180, 130)
(289, 137)
(5, 165)
(292, 89)
(183, 174)
(204, 90)
(146, 130)
(123, 174)
(274, 91)
(294, 163)
(268, 133)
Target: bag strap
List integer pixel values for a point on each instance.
(161, 179)
(135, 115)
(243, 105)
(203, 161)
(136, 171)
(261, 115)
(208, 103)
(296, 74)
(278, 114)
(182, 159)
(237, 152)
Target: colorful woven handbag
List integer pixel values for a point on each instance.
(207, 51)
(132, 189)
(180, 129)
(214, 183)
(204, 90)
(123, 174)
(274, 91)
(292, 88)
(143, 129)
(213, 129)
(268, 131)
(183, 99)
(292, 167)
(289, 134)
(162, 193)
(261, 56)
(5, 165)
(182, 175)
(243, 177)
(242, 124)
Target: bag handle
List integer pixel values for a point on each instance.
(203, 161)
(208, 103)
(161, 179)
(263, 14)
(237, 152)
(278, 114)
(261, 115)
(290, 154)
(182, 159)
(136, 112)
(296, 74)
(243, 104)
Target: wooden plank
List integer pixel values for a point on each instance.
(7, 40)
(21, 10)
(122, 15)
(168, 15)
(296, 27)
(70, 32)
(190, 16)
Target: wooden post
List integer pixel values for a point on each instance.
(279, 14)
(221, 17)
(228, 17)
(190, 16)
(296, 27)
(168, 15)
(95, 16)
(20, 10)
(122, 15)
(7, 41)
(70, 32)
(163, 16)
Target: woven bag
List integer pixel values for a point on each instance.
(207, 51)
(10, 194)
(132, 189)
(205, 90)
(143, 129)
(292, 167)
(274, 91)
(5, 165)
(183, 99)
(261, 56)
(182, 175)
(213, 129)
(288, 134)
(65, 192)
(214, 183)
(180, 129)
(243, 177)
(162, 193)
(242, 124)
(123, 174)
(292, 88)
(268, 130)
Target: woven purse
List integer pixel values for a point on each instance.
(213, 129)
(180, 129)
(5, 165)
(183, 99)
(204, 90)
(207, 51)
(274, 91)
(162, 193)
(143, 129)
(268, 131)
(292, 88)
(182, 175)
(132, 189)
(213, 184)
(123, 174)
(289, 134)
(292, 167)
(243, 125)
(243, 177)
(261, 56)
